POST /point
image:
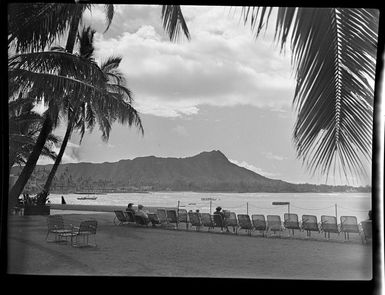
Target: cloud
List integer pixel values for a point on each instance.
(253, 168)
(222, 65)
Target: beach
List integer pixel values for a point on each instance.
(132, 250)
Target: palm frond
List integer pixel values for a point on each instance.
(33, 26)
(174, 22)
(55, 62)
(333, 50)
(86, 38)
(109, 10)
(112, 63)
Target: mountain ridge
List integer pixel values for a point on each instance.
(206, 171)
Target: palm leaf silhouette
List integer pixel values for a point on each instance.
(333, 55)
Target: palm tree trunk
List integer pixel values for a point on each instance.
(22, 180)
(69, 48)
(47, 125)
(74, 29)
(52, 173)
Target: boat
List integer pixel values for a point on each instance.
(208, 199)
(87, 198)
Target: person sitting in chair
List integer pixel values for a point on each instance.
(142, 213)
(130, 209)
(219, 212)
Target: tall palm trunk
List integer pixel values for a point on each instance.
(47, 127)
(69, 48)
(31, 162)
(71, 119)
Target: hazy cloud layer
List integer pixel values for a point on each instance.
(222, 65)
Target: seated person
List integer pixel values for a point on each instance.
(219, 212)
(130, 209)
(142, 213)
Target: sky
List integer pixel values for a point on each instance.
(222, 90)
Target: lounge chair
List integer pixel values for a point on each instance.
(195, 220)
(366, 231)
(259, 223)
(219, 222)
(274, 224)
(162, 216)
(291, 222)
(140, 220)
(309, 223)
(349, 225)
(130, 216)
(183, 217)
(232, 221)
(56, 226)
(207, 220)
(86, 228)
(244, 222)
(154, 219)
(121, 218)
(329, 225)
(172, 217)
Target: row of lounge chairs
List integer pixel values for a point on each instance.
(257, 222)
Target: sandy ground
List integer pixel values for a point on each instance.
(131, 250)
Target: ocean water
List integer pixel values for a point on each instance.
(335, 204)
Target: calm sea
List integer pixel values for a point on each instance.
(354, 204)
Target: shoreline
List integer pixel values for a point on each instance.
(100, 208)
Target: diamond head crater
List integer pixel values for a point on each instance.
(205, 172)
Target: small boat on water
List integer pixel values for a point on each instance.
(87, 198)
(208, 199)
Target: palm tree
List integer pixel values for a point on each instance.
(24, 125)
(333, 54)
(117, 104)
(34, 27)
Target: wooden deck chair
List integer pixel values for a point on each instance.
(154, 219)
(162, 216)
(86, 228)
(274, 224)
(120, 217)
(55, 224)
(183, 217)
(259, 223)
(244, 222)
(309, 223)
(219, 221)
(366, 231)
(329, 225)
(207, 220)
(291, 222)
(195, 220)
(232, 221)
(349, 225)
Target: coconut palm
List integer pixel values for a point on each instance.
(83, 112)
(33, 27)
(24, 125)
(333, 55)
